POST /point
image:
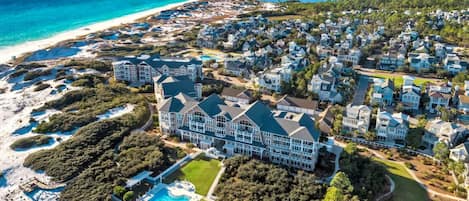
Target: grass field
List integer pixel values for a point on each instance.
(398, 80)
(201, 172)
(406, 187)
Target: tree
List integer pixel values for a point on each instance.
(119, 191)
(441, 151)
(414, 137)
(399, 107)
(129, 196)
(334, 194)
(351, 148)
(370, 136)
(342, 182)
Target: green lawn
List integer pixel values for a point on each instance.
(398, 80)
(406, 187)
(201, 172)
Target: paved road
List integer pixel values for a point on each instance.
(361, 90)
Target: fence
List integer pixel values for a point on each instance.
(383, 145)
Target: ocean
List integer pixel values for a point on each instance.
(29, 20)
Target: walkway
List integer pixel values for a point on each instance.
(337, 150)
(149, 122)
(215, 183)
(411, 172)
(392, 187)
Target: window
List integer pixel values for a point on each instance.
(245, 126)
(221, 121)
(199, 117)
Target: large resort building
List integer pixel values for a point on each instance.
(142, 69)
(284, 138)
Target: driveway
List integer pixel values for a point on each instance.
(361, 90)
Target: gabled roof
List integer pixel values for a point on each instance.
(156, 61)
(238, 93)
(210, 105)
(298, 102)
(178, 103)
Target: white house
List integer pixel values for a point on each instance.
(383, 92)
(421, 61)
(441, 131)
(410, 95)
(272, 79)
(439, 96)
(357, 118)
(454, 64)
(391, 127)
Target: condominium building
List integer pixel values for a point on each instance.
(142, 69)
(255, 130)
(168, 86)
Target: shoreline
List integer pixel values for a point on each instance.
(6, 54)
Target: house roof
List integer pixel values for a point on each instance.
(157, 61)
(298, 102)
(464, 99)
(238, 93)
(437, 94)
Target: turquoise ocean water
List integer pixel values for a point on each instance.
(29, 20)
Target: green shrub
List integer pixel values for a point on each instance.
(119, 191)
(41, 87)
(409, 165)
(18, 73)
(35, 74)
(25, 143)
(129, 196)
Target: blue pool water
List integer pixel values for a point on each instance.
(28, 20)
(207, 58)
(163, 195)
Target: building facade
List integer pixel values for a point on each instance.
(142, 69)
(254, 131)
(391, 126)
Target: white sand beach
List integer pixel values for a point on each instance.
(6, 54)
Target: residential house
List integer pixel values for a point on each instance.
(410, 94)
(272, 79)
(383, 92)
(441, 131)
(356, 118)
(454, 64)
(391, 127)
(461, 153)
(324, 85)
(235, 66)
(238, 96)
(253, 131)
(421, 61)
(439, 96)
(297, 105)
(391, 61)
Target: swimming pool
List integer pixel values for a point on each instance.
(207, 58)
(163, 195)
